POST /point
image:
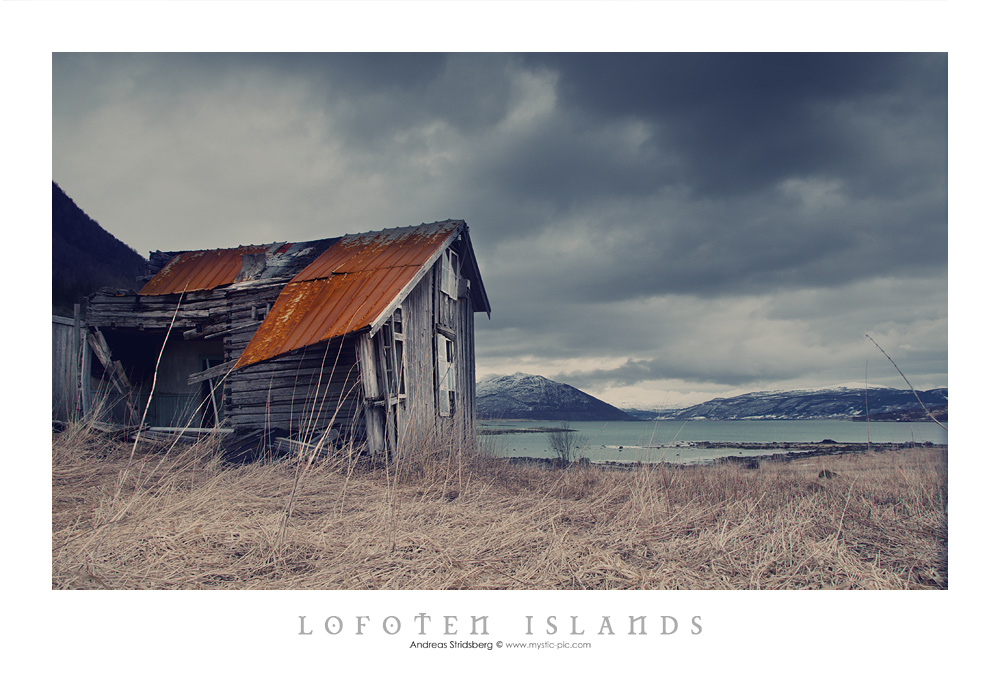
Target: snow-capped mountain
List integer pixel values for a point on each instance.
(876, 403)
(532, 397)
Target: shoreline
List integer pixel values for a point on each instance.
(797, 451)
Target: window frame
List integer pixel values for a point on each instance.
(450, 271)
(446, 375)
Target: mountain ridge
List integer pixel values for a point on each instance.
(85, 256)
(843, 403)
(533, 397)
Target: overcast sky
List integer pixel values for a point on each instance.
(651, 228)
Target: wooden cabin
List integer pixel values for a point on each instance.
(367, 337)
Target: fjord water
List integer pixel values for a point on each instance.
(671, 441)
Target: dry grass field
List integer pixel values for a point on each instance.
(176, 517)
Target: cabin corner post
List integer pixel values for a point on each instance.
(374, 418)
(469, 377)
(83, 377)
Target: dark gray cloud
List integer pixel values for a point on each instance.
(647, 224)
(742, 122)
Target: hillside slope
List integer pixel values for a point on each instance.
(532, 397)
(85, 256)
(877, 403)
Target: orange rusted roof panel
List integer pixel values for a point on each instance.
(393, 248)
(346, 288)
(316, 310)
(198, 270)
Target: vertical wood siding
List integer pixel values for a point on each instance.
(66, 359)
(302, 392)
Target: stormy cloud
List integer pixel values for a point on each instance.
(651, 227)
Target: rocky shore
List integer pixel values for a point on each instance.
(790, 451)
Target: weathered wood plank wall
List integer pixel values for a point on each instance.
(417, 419)
(465, 369)
(423, 309)
(302, 392)
(67, 338)
(151, 312)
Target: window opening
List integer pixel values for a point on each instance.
(258, 312)
(446, 375)
(392, 348)
(212, 412)
(449, 273)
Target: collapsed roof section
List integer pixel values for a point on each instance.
(191, 271)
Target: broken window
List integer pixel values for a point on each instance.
(259, 311)
(391, 343)
(449, 273)
(446, 375)
(212, 402)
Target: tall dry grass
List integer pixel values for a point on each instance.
(450, 516)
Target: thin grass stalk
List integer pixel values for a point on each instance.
(868, 417)
(915, 395)
(847, 500)
(312, 451)
(156, 368)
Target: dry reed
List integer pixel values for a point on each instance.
(450, 517)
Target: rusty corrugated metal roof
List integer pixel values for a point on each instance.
(197, 270)
(347, 288)
(397, 247)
